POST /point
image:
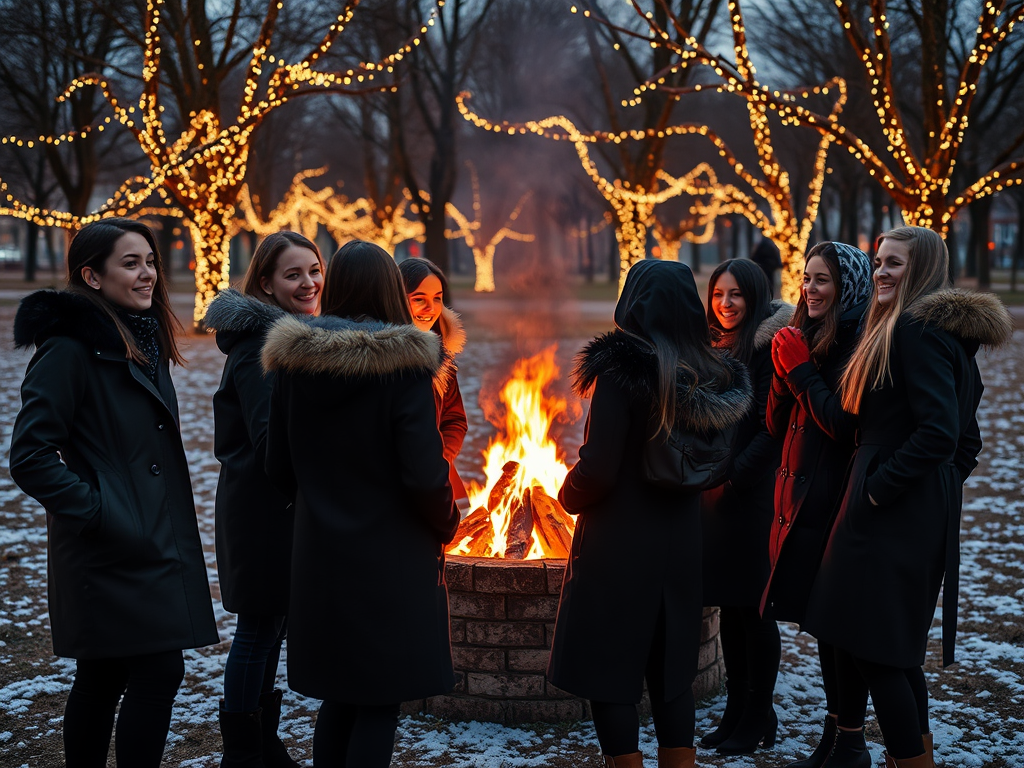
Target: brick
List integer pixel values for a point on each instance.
(492, 633)
(708, 654)
(561, 711)
(552, 692)
(460, 682)
(537, 607)
(458, 630)
(466, 708)
(710, 625)
(458, 573)
(519, 577)
(528, 661)
(555, 570)
(413, 707)
(550, 632)
(475, 606)
(478, 659)
(505, 686)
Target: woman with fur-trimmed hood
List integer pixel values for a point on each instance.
(353, 438)
(630, 607)
(736, 517)
(914, 387)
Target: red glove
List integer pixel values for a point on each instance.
(775, 356)
(790, 349)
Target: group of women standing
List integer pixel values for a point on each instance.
(336, 423)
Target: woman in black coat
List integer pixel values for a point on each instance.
(736, 516)
(630, 607)
(97, 444)
(914, 386)
(353, 438)
(254, 524)
(430, 305)
(804, 411)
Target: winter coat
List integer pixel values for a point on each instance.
(736, 517)
(451, 414)
(636, 554)
(353, 437)
(253, 519)
(96, 443)
(917, 442)
(804, 411)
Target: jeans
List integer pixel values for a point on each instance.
(251, 667)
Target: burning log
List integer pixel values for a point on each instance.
(520, 528)
(551, 523)
(501, 488)
(477, 527)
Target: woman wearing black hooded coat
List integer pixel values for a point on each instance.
(630, 607)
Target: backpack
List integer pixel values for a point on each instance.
(688, 461)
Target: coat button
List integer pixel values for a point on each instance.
(794, 425)
(802, 479)
(780, 520)
(783, 472)
(161, 427)
(803, 429)
(155, 469)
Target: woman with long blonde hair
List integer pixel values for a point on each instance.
(914, 387)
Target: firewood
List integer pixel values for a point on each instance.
(552, 524)
(481, 545)
(500, 489)
(520, 528)
(475, 526)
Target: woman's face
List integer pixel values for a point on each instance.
(425, 302)
(819, 289)
(129, 274)
(296, 282)
(891, 260)
(727, 302)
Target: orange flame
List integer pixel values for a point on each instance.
(524, 439)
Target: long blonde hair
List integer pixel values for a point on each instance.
(927, 271)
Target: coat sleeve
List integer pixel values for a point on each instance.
(601, 455)
(254, 389)
(452, 421)
(822, 403)
(927, 360)
(50, 396)
(780, 408)
(278, 459)
(760, 456)
(422, 467)
(969, 445)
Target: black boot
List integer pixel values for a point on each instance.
(736, 696)
(242, 739)
(824, 748)
(758, 727)
(849, 751)
(274, 753)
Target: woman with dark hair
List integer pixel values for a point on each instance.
(914, 387)
(97, 444)
(353, 438)
(254, 524)
(630, 608)
(430, 305)
(804, 411)
(736, 516)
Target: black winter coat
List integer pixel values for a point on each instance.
(736, 517)
(254, 524)
(353, 436)
(636, 552)
(97, 444)
(804, 412)
(918, 441)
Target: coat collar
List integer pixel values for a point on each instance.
(338, 346)
(781, 316)
(44, 314)
(234, 316)
(975, 319)
(633, 366)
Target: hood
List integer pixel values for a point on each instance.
(633, 366)
(659, 298)
(453, 335)
(45, 314)
(339, 346)
(234, 316)
(975, 319)
(781, 316)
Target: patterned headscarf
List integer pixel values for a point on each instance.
(855, 271)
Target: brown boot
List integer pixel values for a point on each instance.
(632, 760)
(921, 761)
(677, 757)
(929, 748)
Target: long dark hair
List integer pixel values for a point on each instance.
(363, 281)
(820, 333)
(414, 271)
(91, 247)
(264, 261)
(756, 292)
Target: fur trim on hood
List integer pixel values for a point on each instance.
(235, 316)
(339, 346)
(781, 316)
(44, 314)
(972, 317)
(633, 366)
(453, 335)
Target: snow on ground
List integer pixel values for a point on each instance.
(977, 705)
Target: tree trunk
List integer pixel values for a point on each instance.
(876, 218)
(1018, 250)
(435, 244)
(981, 211)
(590, 249)
(31, 250)
(695, 258)
(736, 237)
(953, 246)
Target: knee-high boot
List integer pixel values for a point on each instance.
(274, 753)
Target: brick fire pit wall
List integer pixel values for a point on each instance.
(503, 617)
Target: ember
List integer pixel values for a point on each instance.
(516, 514)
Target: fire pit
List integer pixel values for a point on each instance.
(505, 569)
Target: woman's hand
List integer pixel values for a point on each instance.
(789, 350)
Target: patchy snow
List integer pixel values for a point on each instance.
(977, 705)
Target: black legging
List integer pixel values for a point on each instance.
(846, 695)
(618, 725)
(354, 736)
(900, 697)
(148, 683)
(751, 649)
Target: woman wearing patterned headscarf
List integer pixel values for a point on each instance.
(804, 410)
